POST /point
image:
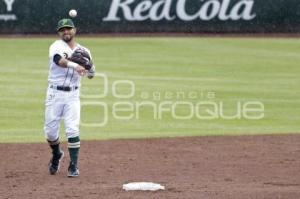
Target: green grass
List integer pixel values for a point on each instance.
(234, 69)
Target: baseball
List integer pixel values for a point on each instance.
(73, 13)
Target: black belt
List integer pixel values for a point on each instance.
(64, 88)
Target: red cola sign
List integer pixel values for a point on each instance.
(137, 10)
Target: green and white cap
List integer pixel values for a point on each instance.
(63, 23)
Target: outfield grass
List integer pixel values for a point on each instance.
(234, 69)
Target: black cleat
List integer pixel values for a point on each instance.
(55, 163)
(73, 171)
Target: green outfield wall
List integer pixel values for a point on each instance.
(124, 16)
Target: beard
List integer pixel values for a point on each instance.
(67, 38)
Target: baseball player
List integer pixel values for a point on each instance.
(69, 61)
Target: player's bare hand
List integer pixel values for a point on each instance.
(80, 70)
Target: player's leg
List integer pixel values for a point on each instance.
(73, 146)
(72, 119)
(53, 114)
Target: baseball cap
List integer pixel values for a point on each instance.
(65, 23)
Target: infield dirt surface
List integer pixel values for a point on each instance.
(196, 167)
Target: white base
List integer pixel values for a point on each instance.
(142, 186)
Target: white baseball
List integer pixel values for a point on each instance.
(73, 13)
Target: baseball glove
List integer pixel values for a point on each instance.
(82, 57)
(91, 72)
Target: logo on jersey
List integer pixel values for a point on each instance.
(8, 16)
(65, 55)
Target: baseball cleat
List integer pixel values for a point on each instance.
(55, 163)
(73, 171)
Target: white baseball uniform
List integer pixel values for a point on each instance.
(62, 104)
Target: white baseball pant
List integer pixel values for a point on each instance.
(62, 105)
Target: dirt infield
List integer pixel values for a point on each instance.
(203, 167)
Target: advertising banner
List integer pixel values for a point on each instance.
(134, 16)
